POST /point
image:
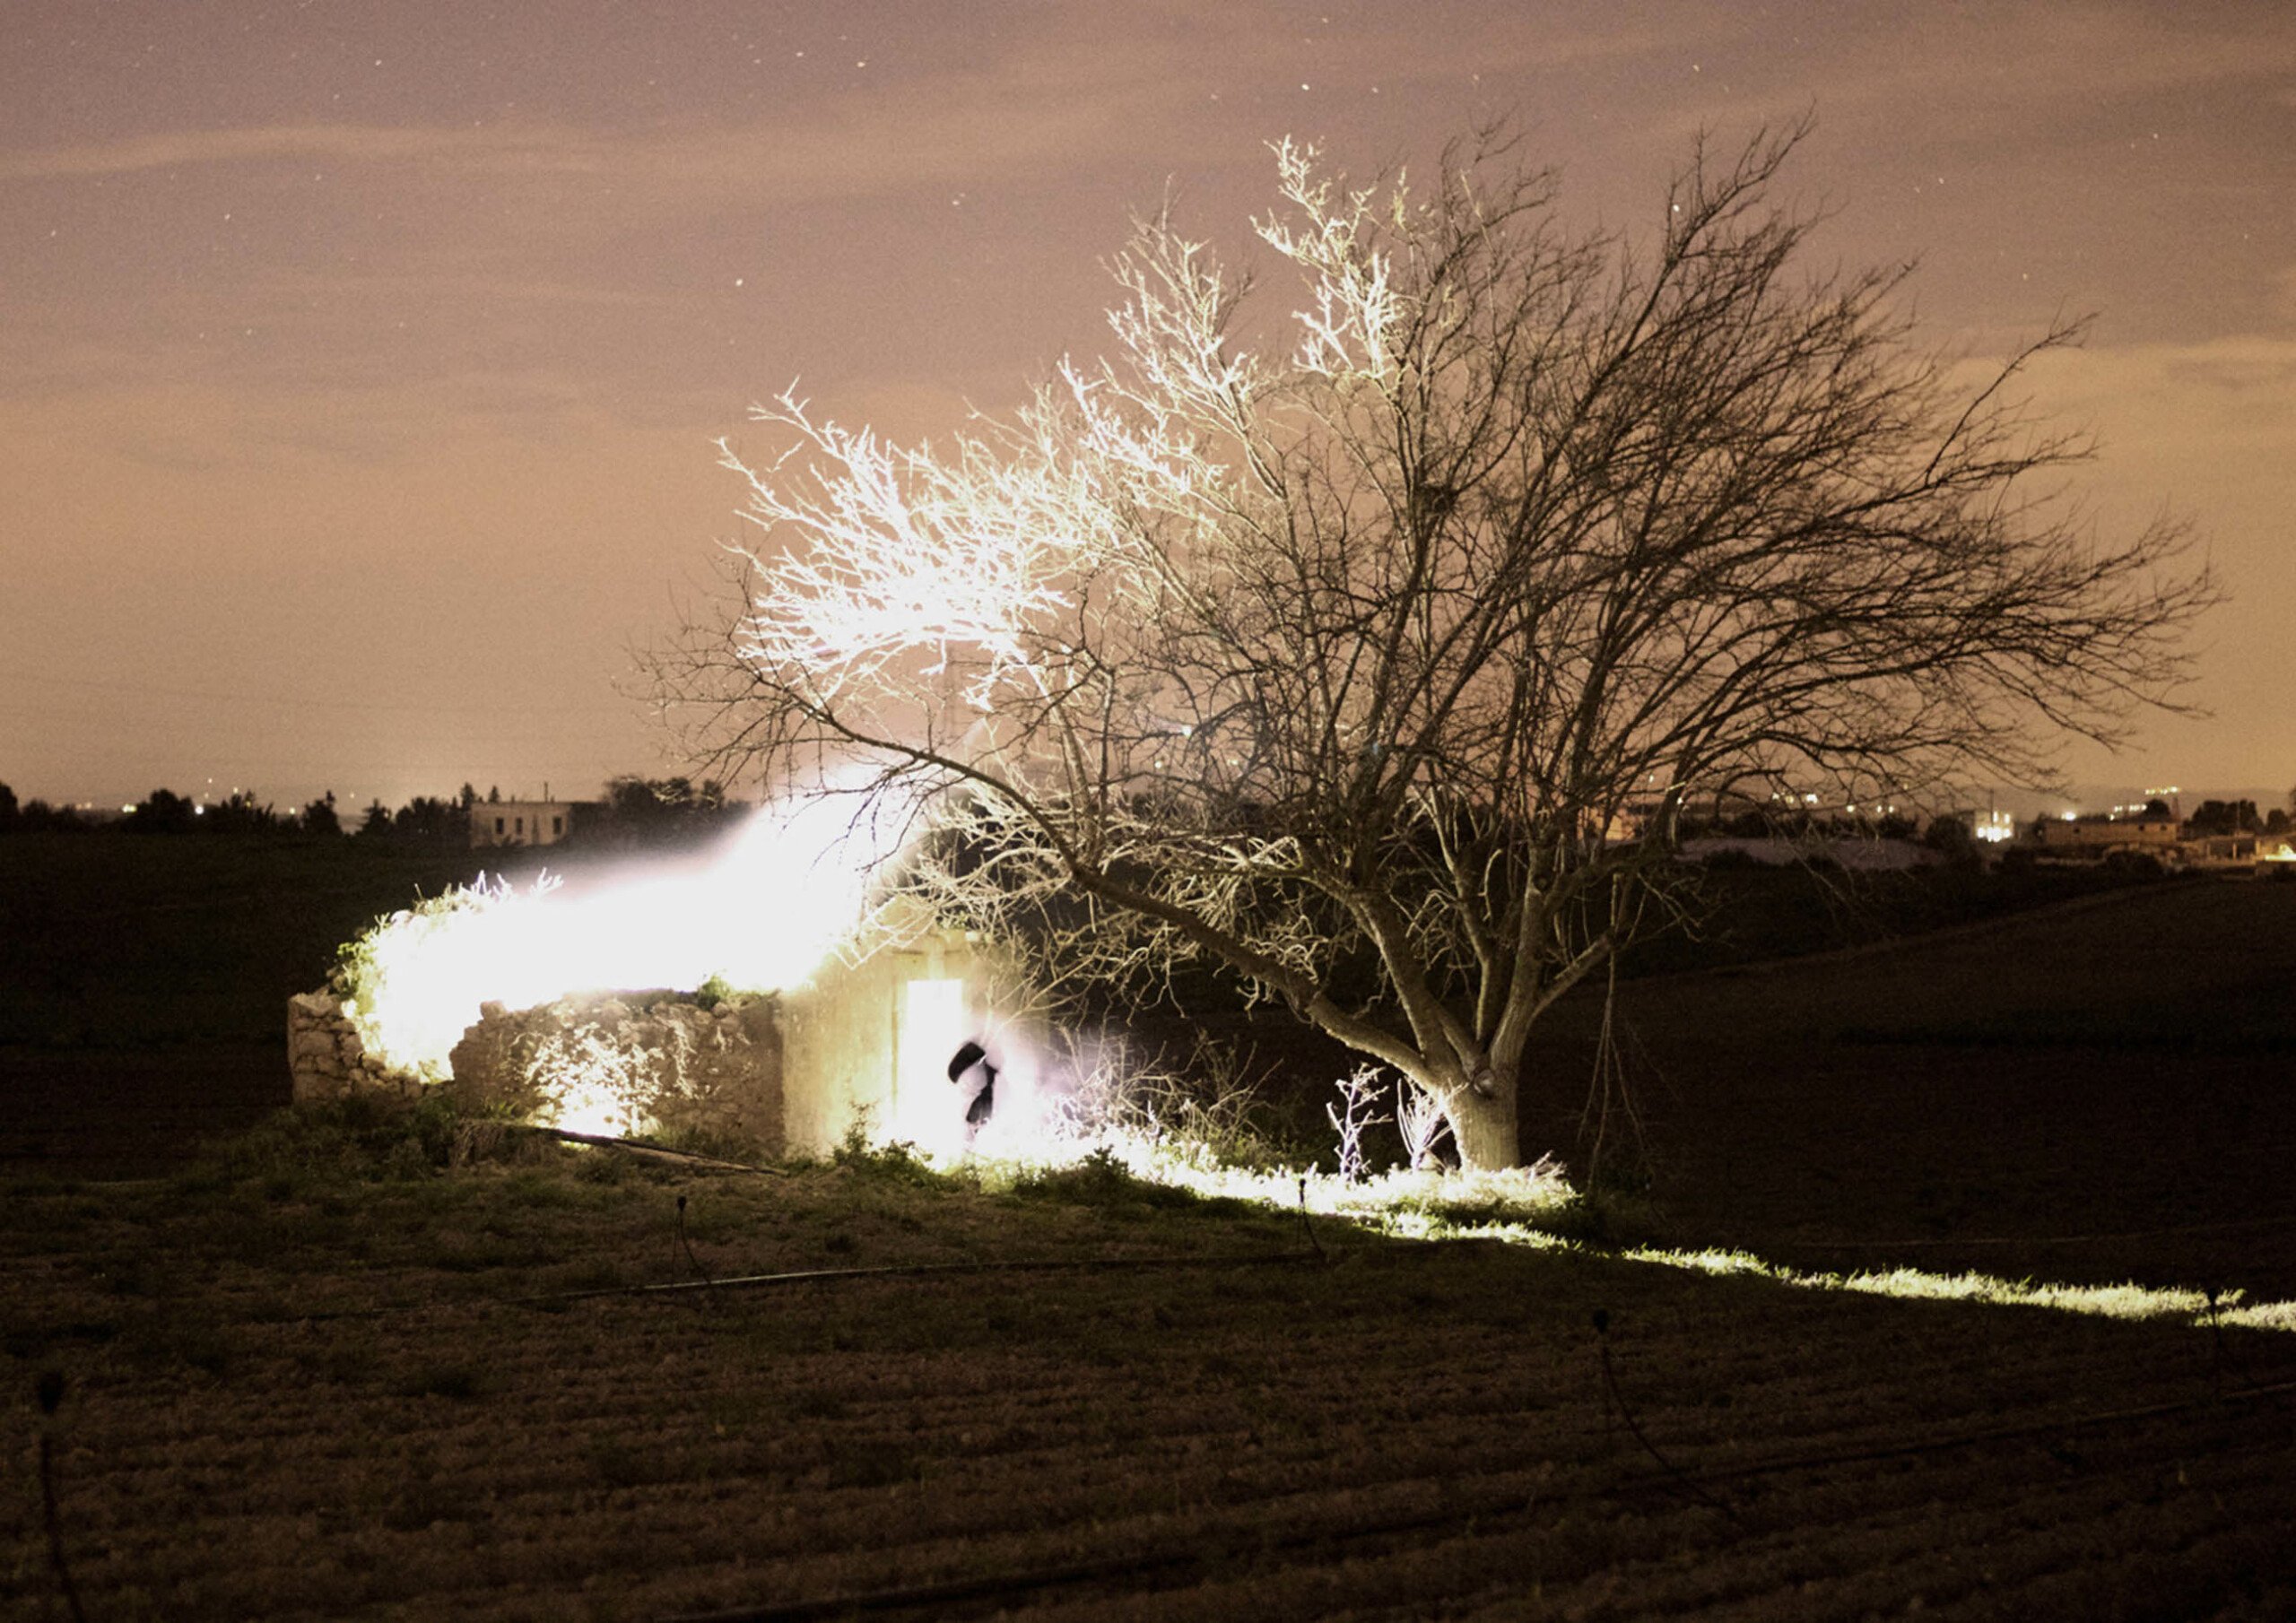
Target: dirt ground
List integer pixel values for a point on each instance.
(299, 1388)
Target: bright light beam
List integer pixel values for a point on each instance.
(762, 915)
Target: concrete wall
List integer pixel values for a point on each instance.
(872, 1040)
(2157, 835)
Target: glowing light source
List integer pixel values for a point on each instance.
(761, 916)
(932, 1024)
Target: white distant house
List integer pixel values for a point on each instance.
(520, 823)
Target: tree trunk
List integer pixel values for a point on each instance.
(1485, 1129)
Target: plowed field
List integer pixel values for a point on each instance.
(1229, 1426)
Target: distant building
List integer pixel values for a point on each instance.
(1993, 826)
(1989, 825)
(2224, 850)
(520, 823)
(2104, 835)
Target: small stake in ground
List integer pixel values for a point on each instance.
(1308, 1225)
(686, 1246)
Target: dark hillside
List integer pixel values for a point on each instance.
(2198, 965)
(144, 980)
(2005, 1097)
(120, 941)
(1745, 912)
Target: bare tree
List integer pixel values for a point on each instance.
(1368, 631)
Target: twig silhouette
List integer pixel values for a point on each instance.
(49, 1391)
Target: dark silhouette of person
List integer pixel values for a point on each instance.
(971, 1057)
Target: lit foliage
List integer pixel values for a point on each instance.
(1353, 1114)
(1419, 1118)
(393, 979)
(2127, 1301)
(1283, 645)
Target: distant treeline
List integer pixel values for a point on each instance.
(2240, 817)
(634, 810)
(1795, 822)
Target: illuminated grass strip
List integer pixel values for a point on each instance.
(2125, 1301)
(2263, 1316)
(1509, 1207)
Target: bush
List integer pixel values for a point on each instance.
(895, 1163)
(1100, 1180)
(1206, 1107)
(365, 1137)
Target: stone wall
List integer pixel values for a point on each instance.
(647, 1063)
(326, 1056)
(629, 1064)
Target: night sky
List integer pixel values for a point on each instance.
(360, 362)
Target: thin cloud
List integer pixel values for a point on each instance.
(1993, 69)
(861, 147)
(1055, 102)
(192, 149)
